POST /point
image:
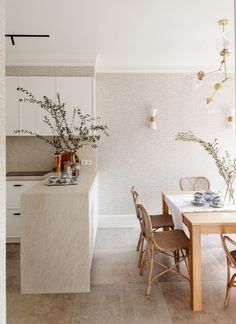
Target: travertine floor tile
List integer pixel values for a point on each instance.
(40, 309)
(115, 267)
(13, 268)
(177, 298)
(122, 304)
(118, 292)
(117, 238)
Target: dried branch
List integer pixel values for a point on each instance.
(81, 131)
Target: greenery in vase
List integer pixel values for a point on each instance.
(225, 163)
(81, 130)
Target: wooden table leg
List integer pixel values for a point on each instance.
(195, 268)
(165, 209)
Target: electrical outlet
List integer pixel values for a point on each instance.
(86, 162)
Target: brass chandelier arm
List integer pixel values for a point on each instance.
(222, 66)
(218, 70)
(225, 67)
(217, 86)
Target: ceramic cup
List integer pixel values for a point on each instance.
(209, 195)
(66, 180)
(198, 196)
(217, 201)
(53, 179)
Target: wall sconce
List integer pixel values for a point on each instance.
(231, 118)
(153, 124)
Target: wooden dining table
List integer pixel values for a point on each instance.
(198, 223)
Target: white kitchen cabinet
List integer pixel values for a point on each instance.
(74, 91)
(14, 189)
(12, 105)
(77, 92)
(31, 115)
(13, 225)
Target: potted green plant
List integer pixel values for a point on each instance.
(226, 165)
(67, 135)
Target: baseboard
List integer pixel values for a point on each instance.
(107, 221)
(12, 239)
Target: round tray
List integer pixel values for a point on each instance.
(60, 184)
(216, 206)
(198, 203)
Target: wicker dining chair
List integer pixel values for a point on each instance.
(158, 222)
(194, 184)
(173, 243)
(231, 263)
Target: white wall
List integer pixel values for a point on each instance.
(134, 154)
(128, 34)
(2, 164)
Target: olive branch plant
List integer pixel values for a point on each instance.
(226, 165)
(81, 130)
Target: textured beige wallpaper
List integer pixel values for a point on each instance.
(26, 153)
(81, 71)
(135, 154)
(2, 165)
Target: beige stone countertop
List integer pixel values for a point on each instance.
(28, 178)
(85, 181)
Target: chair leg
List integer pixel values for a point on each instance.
(141, 251)
(176, 257)
(144, 260)
(186, 261)
(139, 241)
(149, 286)
(227, 295)
(230, 283)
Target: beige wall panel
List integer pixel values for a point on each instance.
(135, 154)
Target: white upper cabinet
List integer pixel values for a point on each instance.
(31, 115)
(76, 92)
(12, 105)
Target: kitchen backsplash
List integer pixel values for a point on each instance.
(26, 153)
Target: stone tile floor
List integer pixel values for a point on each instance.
(117, 291)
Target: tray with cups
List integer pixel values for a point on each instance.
(63, 180)
(209, 197)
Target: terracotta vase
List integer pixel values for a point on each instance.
(69, 156)
(57, 163)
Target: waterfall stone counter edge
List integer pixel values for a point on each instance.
(58, 230)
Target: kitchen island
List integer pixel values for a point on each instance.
(58, 229)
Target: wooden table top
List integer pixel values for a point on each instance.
(211, 218)
(215, 217)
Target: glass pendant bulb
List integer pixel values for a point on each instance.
(192, 81)
(223, 42)
(208, 106)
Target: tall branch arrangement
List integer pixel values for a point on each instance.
(225, 163)
(71, 135)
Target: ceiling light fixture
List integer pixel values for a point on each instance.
(224, 53)
(12, 36)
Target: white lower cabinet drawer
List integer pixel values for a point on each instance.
(13, 225)
(15, 189)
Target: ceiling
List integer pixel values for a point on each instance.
(163, 35)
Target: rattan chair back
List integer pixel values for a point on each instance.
(137, 199)
(147, 223)
(231, 263)
(194, 184)
(147, 228)
(225, 240)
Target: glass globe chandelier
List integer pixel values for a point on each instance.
(224, 51)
